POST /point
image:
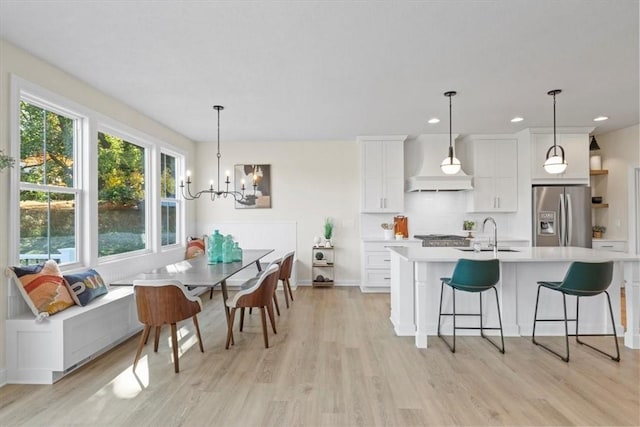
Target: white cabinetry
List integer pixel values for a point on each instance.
(382, 173)
(376, 267)
(493, 162)
(610, 245)
(576, 153)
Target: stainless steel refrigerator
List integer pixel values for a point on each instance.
(562, 216)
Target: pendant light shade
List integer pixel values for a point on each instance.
(450, 165)
(555, 162)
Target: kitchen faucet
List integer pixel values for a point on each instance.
(493, 245)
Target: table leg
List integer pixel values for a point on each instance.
(258, 265)
(225, 296)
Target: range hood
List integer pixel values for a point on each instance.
(426, 152)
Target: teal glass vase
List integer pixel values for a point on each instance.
(215, 247)
(227, 249)
(236, 253)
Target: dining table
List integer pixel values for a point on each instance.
(200, 273)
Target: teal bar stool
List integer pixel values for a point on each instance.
(472, 276)
(583, 279)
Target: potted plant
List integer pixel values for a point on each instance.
(468, 225)
(388, 230)
(328, 231)
(598, 231)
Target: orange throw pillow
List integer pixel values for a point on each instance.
(43, 287)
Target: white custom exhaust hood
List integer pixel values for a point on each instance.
(423, 156)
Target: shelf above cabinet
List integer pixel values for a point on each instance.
(593, 172)
(599, 205)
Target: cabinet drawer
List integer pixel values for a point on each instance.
(379, 259)
(383, 245)
(378, 277)
(615, 246)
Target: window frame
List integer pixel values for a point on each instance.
(86, 178)
(23, 91)
(130, 136)
(178, 200)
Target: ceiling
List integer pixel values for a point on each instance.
(307, 70)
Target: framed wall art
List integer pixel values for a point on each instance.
(258, 197)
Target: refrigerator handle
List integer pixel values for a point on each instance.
(569, 217)
(562, 228)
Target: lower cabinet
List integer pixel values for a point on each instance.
(376, 267)
(610, 245)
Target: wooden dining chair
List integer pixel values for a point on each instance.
(260, 295)
(164, 302)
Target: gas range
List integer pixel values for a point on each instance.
(443, 240)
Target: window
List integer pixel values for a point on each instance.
(121, 196)
(168, 201)
(48, 186)
(83, 190)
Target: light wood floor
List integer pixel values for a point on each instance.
(334, 362)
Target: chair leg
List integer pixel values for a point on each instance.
(481, 330)
(232, 316)
(174, 343)
(617, 357)
(271, 317)
(566, 328)
(195, 323)
(499, 319)
(440, 309)
(289, 288)
(452, 348)
(535, 317)
(241, 318)
(275, 302)
(156, 339)
(264, 327)
(286, 295)
(141, 343)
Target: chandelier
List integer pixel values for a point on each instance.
(216, 193)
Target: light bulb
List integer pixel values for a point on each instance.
(555, 165)
(450, 165)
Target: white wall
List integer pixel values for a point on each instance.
(620, 151)
(309, 181)
(16, 61)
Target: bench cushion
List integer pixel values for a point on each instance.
(85, 286)
(42, 287)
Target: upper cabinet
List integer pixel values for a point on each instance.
(382, 173)
(576, 153)
(493, 162)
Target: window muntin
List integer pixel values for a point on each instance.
(168, 201)
(121, 177)
(48, 197)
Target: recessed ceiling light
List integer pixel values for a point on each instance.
(517, 119)
(434, 121)
(600, 118)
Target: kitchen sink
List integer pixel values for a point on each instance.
(488, 250)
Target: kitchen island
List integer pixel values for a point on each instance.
(415, 292)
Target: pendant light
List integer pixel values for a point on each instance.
(555, 164)
(217, 193)
(450, 165)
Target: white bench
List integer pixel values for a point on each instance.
(43, 352)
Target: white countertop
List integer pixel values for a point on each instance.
(382, 239)
(523, 254)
